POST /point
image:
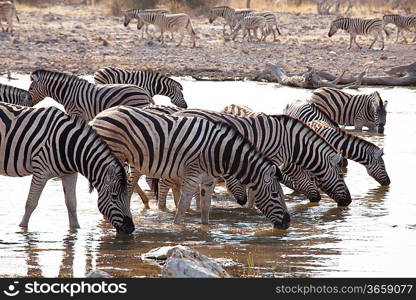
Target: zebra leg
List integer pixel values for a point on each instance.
(162, 195)
(182, 36)
(404, 37)
(133, 185)
(176, 190)
(188, 187)
(36, 188)
(69, 183)
(206, 191)
(375, 39)
(351, 39)
(397, 36)
(355, 42)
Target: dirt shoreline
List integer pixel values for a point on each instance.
(79, 40)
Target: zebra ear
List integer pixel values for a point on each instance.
(335, 160)
(34, 77)
(385, 104)
(379, 153)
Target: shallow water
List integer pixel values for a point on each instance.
(374, 236)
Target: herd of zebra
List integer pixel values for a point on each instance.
(249, 20)
(112, 133)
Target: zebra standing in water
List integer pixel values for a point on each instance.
(14, 95)
(230, 15)
(153, 82)
(188, 151)
(350, 146)
(171, 23)
(402, 23)
(8, 12)
(288, 142)
(145, 14)
(47, 143)
(355, 26)
(81, 98)
(352, 110)
(249, 23)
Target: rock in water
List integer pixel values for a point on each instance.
(98, 274)
(185, 262)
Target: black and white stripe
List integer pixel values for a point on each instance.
(355, 26)
(251, 23)
(47, 143)
(82, 98)
(230, 15)
(352, 110)
(142, 15)
(289, 143)
(14, 95)
(403, 23)
(271, 21)
(188, 151)
(153, 82)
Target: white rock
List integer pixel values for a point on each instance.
(98, 274)
(161, 253)
(184, 262)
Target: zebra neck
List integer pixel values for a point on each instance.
(66, 90)
(353, 147)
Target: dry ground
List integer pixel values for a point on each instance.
(81, 39)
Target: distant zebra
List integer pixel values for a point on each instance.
(81, 98)
(289, 143)
(14, 95)
(271, 23)
(172, 23)
(146, 16)
(153, 82)
(230, 15)
(187, 151)
(359, 27)
(249, 23)
(352, 110)
(7, 13)
(402, 23)
(47, 143)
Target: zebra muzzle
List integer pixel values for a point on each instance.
(285, 222)
(127, 226)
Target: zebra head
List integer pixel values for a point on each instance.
(38, 88)
(128, 16)
(380, 112)
(25, 99)
(175, 93)
(332, 182)
(268, 196)
(112, 197)
(140, 23)
(377, 169)
(335, 25)
(213, 14)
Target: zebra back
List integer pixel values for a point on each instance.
(82, 98)
(48, 143)
(356, 26)
(14, 95)
(153, 82)
(403, 22)
(225, 12)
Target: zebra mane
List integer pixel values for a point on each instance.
(60, 73)
(303, 124)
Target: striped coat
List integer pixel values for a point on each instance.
(153, 82)
(359, 27)
(47, 143)
(81, 98)
(402, 23)
(352, 110)
(187, 151)
(14, 95)
(230, 15)
(142, 15)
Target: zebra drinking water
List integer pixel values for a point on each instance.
(47, 143)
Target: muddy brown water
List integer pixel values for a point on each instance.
(374, 236)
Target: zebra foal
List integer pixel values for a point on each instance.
(172, 23)
(355, 26)
(253, 23)
(188, 151)
(352, 110)
(14, 95)
(402, 23)
(81, 98)
(230, 15)
(145, 15)
(7, 13)
(153, 82)
(47, 143)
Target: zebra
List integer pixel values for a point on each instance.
(230, 15)
(238, 110)
(8, 12)
(352, 110)
(134, 14)
(355, 26)
(81, 98)
(289, 143)
(402, 23)
(251, 22)
(188, 151)
(14, 95)
(153, 82)
(172, 23)
(47, 143)
(271, 21)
